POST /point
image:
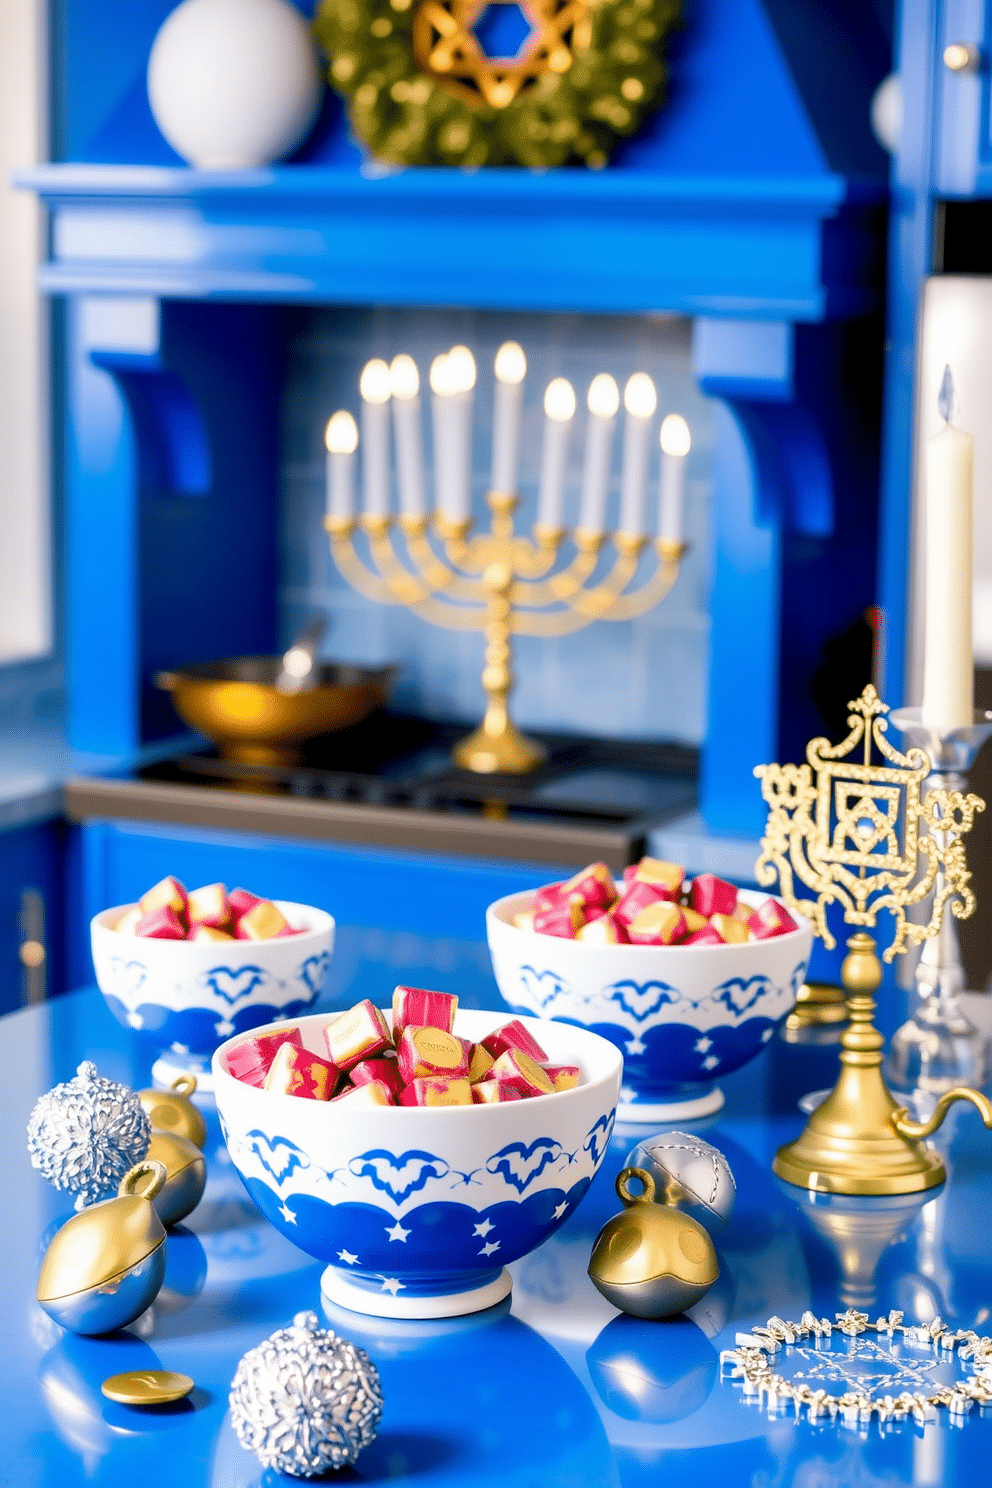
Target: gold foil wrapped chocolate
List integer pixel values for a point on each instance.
(651, 1261)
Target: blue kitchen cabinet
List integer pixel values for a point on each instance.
(31, 914)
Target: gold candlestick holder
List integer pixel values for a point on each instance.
(503, 584)
(835, 825)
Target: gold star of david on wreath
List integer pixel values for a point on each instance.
(834, 824)
(422, 89)
(447, 47)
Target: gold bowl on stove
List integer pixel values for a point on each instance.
(237, 704)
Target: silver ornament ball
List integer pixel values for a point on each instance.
(689, 1174)
(305, 1400)
(85, 1134)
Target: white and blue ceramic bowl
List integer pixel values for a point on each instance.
(683, 1016)
(417, 1210)
(189, 996)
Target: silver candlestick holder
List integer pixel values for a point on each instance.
(939, 1048)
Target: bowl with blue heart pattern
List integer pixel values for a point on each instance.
(682, 1016)
(189, 996)
(418, 1210)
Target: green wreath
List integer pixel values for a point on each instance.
(564, 114)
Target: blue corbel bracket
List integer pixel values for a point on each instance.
(171, 477)
(173, 451)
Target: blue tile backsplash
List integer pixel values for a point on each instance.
(639, 679)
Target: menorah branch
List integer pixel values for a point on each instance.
(504, 586)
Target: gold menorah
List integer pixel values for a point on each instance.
(502, 583)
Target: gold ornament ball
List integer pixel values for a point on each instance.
(651, 1261)
(186, 1175)
(173, 1110)
(106, 1264)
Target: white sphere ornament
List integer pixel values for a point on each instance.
(234, 84)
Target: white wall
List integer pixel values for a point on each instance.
(956, 331)
(25, 518)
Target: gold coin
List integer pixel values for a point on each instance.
(146, 1387)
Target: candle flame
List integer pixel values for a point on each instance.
(341, 434)
(440, 376)
(945, 398)
(559, 400)
(375, 383)
(675, 437)
(461, 369)
(639, 396)
(510, 364)
(603, 397)
(404, 379)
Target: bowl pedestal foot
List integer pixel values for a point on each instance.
(336, 1288)
(636, 1109)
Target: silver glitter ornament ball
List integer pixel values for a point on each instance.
(305, 1400)
(85, 1134)
(690, 1174)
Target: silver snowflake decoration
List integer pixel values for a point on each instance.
(869, 1370)
(305, 1400)
(85, 1134)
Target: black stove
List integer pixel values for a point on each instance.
(390, 780)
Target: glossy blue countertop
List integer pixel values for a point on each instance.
(36, 760)
(553, 1390)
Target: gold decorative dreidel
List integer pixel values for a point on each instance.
(834, 824)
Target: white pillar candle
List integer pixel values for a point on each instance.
(374, 386)
(341, 442)
(461, 373)
(510, 367)
(640, 400)
(404, 381)
(948, 666)
(440, 382)
(603, 400)
(559, 411)
(676, 442)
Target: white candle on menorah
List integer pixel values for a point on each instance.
(676, 441)
(602, 401)
(407, 430)
(340, 442)
(640, 400)
(376, 393)
(559, 412)
(510, 368)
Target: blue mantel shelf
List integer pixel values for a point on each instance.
(729, 245)
(751, 193)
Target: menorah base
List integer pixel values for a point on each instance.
(851, 1146)
(499, 749)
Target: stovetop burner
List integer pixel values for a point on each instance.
(400, 761)
(390, 780)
